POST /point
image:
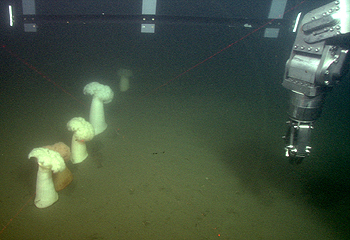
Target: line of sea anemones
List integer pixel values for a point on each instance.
(53, 175)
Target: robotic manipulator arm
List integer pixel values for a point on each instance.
(316, 64)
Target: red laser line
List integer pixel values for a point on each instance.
(20, 210)
(40, 73)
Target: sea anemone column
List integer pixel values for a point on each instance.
(101, 94)
(83, 131)
(125, 76)
(49, 161)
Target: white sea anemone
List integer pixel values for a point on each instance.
(83, 131)
(49, 161)
(125, 75)
(101, 94)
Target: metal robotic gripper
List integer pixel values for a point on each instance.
(318, 60)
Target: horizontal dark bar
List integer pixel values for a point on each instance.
(157, 19)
